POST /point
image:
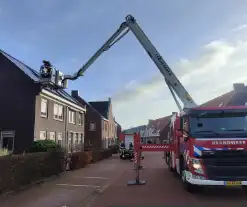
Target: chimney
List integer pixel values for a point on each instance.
(109, 99)
(75, 93)
(238, 87)
(174, 113)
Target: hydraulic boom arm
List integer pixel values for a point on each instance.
(170, 78)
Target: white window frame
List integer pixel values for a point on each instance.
(41, 133)
(92, 126)
(45, 112)
(76, 139)
(58, 112)
(71, 116)
(80, 118)
(60, 138)
(52, 136)
(81, 138)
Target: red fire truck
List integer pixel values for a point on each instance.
(210, 147)
(207, 146)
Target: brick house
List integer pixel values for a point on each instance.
(154, 129)
(119, 130)
(151, 131)
(30, 112)
(236, 97)
(100, 125)
(139, 129)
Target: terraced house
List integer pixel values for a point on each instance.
(101, 129)
(29, 111)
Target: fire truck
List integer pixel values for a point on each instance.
(210, 147)
(206, 146)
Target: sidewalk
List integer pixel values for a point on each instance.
(72, 189)
(104, 184)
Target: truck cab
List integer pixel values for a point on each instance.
(211, 146)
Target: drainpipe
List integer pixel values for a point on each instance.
(66, 126)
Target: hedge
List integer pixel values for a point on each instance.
(80, 159)
(44, 146)
(21, 170)
(98, 155)
(114, 149)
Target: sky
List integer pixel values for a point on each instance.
(204, 43)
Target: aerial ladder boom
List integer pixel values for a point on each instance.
(172, 81)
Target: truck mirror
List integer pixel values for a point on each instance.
(186, 139)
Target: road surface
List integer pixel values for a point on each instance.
(104, 184)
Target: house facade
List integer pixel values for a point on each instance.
(119, 130)
(29, 111)
(100, 125)
(109, 126)
(150, 133)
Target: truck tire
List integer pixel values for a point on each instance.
(169, 163)
(167, 158)
(186, 185)
(244, 187)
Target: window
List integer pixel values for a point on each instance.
(81, 139)
(71, 117)
(53, 136)
(92, 126)
(42, 135)
(59, 138)
(227, 123)
(80, 119)
(44, 108)
(105, 126)
(70, 144)
(58, 112)
(76, 141)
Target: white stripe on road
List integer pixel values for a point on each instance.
(72, 185)
(102, 178)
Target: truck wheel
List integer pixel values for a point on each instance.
(186, 185)
(244, 187)
(167, 159)
(170, 164)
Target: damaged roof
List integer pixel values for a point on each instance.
(35, 76)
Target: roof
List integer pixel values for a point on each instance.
(238, 99)
(35, 76)
(101, 106)
(221, 108)
(158, 124)
(222, 100)
(82, 101)
(135, 129)
(231, 98)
